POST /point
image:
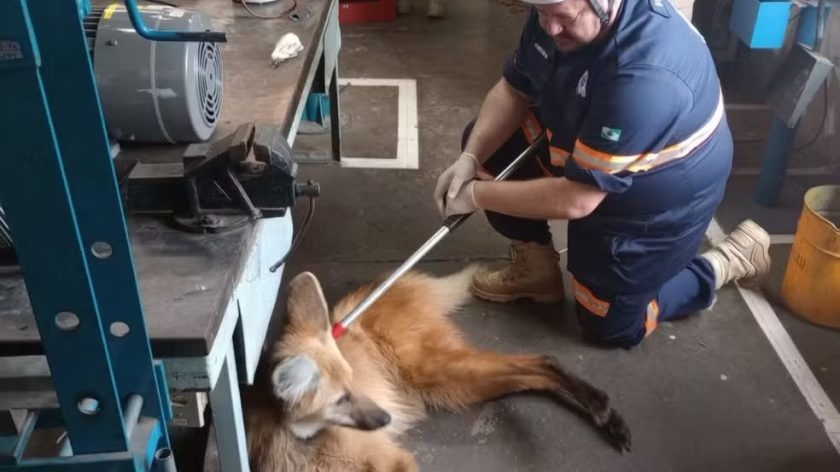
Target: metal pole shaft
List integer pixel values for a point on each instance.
(380, 290)
(450, 225)
(505, 173)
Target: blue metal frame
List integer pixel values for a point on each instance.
(106, 462)
(61, 198)
(781, 138)
(37, 202)
(161, 35)
(317, 109)
(84, 7)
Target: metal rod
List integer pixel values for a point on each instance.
(449, 225)
(505, 173)
(131, 416)
(166, 35)
(132, 413)
(339, 328)
(65, 449)
(25, 434)
(821, 18)
(165, 460)
(243, 197)
(5, 231)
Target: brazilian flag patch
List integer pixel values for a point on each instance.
(610, 134)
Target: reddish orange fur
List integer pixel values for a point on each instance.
(406, 355)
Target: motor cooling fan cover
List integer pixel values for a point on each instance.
(156, 91)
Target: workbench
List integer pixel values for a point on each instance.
(208, 298)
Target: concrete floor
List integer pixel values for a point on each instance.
(706, 393)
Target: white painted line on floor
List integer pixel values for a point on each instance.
(796, 171)
(787, 351)
(782, 238)
(408, 152)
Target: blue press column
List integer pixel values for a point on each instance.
(781, 138)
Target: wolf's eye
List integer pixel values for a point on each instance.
(344, 399)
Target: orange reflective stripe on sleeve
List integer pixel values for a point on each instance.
(652, 320)
(590, 158)
(589, 301)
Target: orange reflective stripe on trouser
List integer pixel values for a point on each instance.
(558, 156)
(611, 163)
(532, 127)
(652, 320)
(593, 304)
(545, 171)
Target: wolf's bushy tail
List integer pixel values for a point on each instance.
(452, 291)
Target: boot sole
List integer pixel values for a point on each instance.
(762, 261)
(513, 297)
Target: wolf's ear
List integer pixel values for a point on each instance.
(295, 377)
(307, 305)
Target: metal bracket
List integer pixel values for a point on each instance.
(797, 82)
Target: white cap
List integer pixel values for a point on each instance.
(599, 10)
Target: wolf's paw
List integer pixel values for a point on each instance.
(618, 432)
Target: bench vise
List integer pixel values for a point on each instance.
(223, 185)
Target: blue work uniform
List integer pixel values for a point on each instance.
(640, 116)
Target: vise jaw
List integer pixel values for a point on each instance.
(218, 186)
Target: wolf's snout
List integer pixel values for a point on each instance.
(374, 420)
(379, 420)
(368, 415)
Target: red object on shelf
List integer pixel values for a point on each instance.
(366, 11)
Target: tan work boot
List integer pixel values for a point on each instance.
(403, 7)
(435, 9)
(744, 256)
(532, 273)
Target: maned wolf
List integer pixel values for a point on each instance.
(340, 406)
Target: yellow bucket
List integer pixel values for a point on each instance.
(811, 286)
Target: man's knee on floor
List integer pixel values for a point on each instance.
(610, 331)
(614, 339)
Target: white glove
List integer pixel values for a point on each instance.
(463, 202)
(453, 179)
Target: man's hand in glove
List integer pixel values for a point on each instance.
(452, 181)
(464, 201)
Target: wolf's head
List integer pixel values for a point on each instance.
(310, 376)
